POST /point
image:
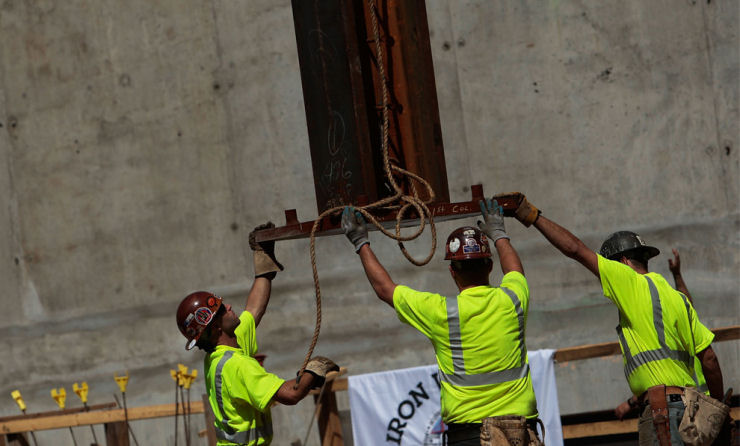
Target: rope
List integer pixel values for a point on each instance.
(400, 201)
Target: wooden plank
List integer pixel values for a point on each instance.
(612, 348)
(612, 427)
(97, 417)
(330, 427)
(58, 412)
(210, 420)
(116, 434)
(599, 428)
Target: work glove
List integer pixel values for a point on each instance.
(354, 227)
(265, 262)
(493, 220)
(525, 211)
(319, 366)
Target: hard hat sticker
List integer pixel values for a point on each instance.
(203, 315)
(469, 233)
(188, 320)
(454, 244)
(471, 246)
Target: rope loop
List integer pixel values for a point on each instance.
(400, 201)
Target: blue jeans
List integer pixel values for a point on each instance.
(646, 429)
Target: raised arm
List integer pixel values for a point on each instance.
(493, 226)
(675, 267)
(568, 244)
(266, 268)
(259, 297)
(355, 229)
(379, 278)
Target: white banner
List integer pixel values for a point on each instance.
(401, 407)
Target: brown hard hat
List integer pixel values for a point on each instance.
(195, 313)
(467, 243)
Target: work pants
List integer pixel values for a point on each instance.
(646, 428)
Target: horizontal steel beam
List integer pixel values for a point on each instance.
(331, 225)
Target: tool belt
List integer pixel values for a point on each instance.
(702, 419)
(510, 430)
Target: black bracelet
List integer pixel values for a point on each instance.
(632, 403)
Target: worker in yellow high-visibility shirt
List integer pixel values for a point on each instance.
(659, 333)
(487, 396)
(239, 390)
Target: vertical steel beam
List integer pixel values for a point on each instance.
(343, 100)
(334, 99)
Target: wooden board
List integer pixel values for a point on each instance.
(95, 417)
(612, 427)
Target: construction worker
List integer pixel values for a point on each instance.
(239, 389)
(630, 404)
(659, 331)
(478, 336)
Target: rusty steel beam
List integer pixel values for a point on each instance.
(343, 100)
(331, 225)
(334, 98)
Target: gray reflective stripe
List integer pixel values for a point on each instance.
(245, 437)
(218, 385)
(657, 312)
(642, 358)
(485, 379)
(459, 377)
(520, 316)
(228, 433)
(453, 325)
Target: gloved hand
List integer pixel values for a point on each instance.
(354, 227)
(526, 212)
(493, 220)
(265, 262)
(319, 366)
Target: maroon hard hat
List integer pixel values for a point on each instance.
(467, 243)
(194, 314)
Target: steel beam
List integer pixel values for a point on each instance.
(331, 225)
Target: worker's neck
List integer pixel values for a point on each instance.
(462, 286)
(637, 267)
(227, 340)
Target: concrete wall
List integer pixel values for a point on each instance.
(141, 141)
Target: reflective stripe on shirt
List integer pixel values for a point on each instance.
(245, 437)
(664, 352)
(459, 377)
(228, 433)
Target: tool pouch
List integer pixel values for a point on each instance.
(702, 419)
(507, 430)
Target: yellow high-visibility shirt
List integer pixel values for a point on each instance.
(478, 339)
(659, 331)
(240, 390)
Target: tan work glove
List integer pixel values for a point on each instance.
(264, 253)
(525, 211)
(319, 366)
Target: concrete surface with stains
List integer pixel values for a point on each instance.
(141, 141)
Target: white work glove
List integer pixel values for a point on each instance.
(354, 227)
(493, 220)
